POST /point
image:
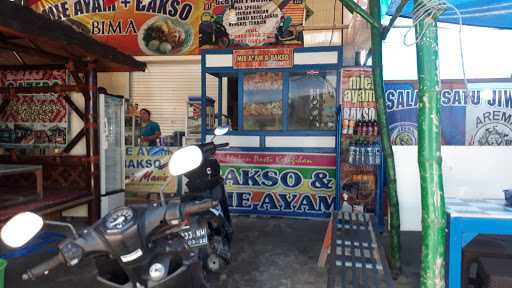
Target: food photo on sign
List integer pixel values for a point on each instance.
(162, 35)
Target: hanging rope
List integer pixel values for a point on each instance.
(429, 11)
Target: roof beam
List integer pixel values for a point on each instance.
(73, 106)
(6, 45)
(22, 62)
(32, 67)
(398, 11)
(19, 21)
(42, 89)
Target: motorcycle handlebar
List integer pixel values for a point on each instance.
(40, 269)
(198, 206)
(221, 145)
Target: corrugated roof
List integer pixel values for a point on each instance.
(30, 38)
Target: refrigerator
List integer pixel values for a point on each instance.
(112, 151)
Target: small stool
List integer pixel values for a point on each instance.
(481, 246)
(495, 272)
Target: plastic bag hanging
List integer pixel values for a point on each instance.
(358, 34)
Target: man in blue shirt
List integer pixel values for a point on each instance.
(150, 130)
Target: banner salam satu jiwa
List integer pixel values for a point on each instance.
(33, 119)
(180, 27)
(280, 184)
(479, 115)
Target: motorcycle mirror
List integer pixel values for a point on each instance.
(219, 131)
(185, 159)
(21, 228)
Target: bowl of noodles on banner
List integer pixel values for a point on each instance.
(162, 35)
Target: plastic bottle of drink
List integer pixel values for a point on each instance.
(351, 153)
(357, 154)
(371, 147)
(368, 152)
(364, 128)
(363, 154)
(370, 128)
(375, 128)
(378, 155)
(351, 124)
(354, 153)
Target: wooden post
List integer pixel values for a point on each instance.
(94, 141)
(378, 86)
(327, 243)
(373, 18)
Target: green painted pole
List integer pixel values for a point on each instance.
(378, 84)
(433, 215)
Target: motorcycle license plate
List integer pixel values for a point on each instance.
(195, 236)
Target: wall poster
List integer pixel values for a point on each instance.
(33, 119)
(480, 115)
(358, 98)
(143, 172)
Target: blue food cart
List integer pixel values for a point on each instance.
(282, 105)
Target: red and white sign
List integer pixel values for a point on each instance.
(263, 58)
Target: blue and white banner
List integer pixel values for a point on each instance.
(480, 115)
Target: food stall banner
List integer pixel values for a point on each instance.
(360, 147)
(479, 115)
(143, 172)
(180, 27)
(280, 184)
(33, 119)
(263, 58)
(358, 97)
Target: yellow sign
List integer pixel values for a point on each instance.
(145, 171)
(179, 27)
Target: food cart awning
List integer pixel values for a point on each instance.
(488, 13)
(28, 38)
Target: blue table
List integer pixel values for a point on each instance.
(467, 219)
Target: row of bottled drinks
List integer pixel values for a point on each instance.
(361, 153)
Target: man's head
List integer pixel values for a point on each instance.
(145, 114)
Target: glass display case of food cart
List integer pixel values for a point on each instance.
(281, 104)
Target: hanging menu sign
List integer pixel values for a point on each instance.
(263, 58)
(256, 22)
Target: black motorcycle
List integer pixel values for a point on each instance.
(165, 244)
(205, 182)
(136, 246)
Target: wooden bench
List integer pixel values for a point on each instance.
(66, 183)
(12, 169)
